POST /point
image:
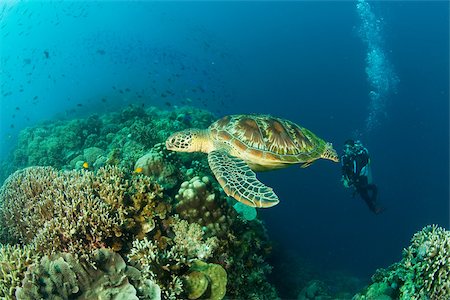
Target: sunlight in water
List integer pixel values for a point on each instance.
(380, 74)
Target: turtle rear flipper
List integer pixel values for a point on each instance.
(239, 181)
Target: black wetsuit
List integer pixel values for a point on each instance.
(353, 171)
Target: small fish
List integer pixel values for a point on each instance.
(86, 165)
(17, 108)
(168, 104)
(103, 100)
(12, 125)
(101, 51)
(46, 54)
(138, 170)
(79, 105)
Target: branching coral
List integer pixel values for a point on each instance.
(423, 273)
(167, 260)
(428, 258)
(14, 261)
(189, 241)
(159, 265)
(137, 199)
(56, 211)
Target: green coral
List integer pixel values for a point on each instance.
(216, 279)
(196, 284)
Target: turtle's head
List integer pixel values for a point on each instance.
(188, 140)
(330, 153)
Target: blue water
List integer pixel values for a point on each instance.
(303, 61)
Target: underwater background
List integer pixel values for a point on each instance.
(374, 71)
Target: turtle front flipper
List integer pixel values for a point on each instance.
(239, 181)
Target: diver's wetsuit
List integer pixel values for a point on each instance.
(355, 172)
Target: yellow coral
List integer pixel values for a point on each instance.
(217, 278)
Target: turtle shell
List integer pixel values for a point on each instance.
(268, 137)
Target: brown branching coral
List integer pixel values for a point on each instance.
(14, 261)
(78, 211)
(136, 198)
(56, 211)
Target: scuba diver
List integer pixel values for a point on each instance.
(356, 172)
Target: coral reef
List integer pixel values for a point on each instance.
(63, 276)
(212, 280)
(199, 202)
(117, 138)
(14, 261)
(92, 198)
(56, 211)
(423, 273)
(165, 260)
(157, 165)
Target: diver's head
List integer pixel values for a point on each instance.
(349, 146)
(349, 143)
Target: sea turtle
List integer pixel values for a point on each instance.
(237, 145)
